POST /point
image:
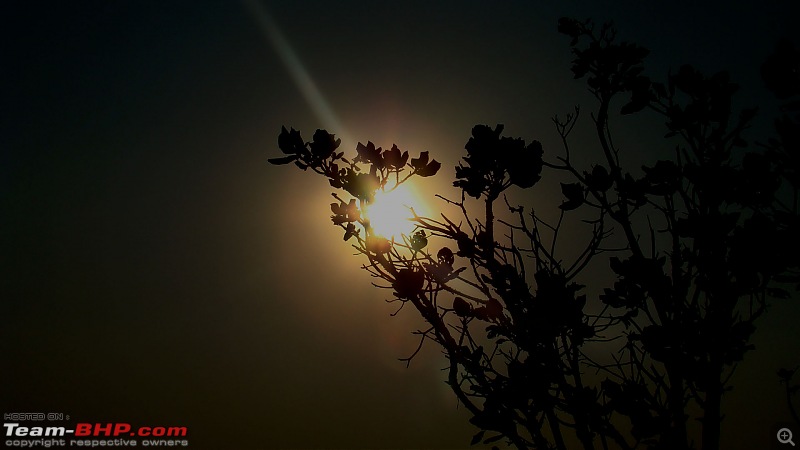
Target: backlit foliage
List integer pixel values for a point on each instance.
(696, 245)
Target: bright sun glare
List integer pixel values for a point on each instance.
(390, 211)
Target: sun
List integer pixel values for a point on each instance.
(389, 214)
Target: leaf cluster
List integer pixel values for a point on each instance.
(372, 168)
(696, 245)
(494, 162)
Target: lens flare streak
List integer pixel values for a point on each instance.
(291, 61)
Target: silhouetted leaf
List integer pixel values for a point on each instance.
(445, 255)
(393, 159)
(283, 160)
(524, 166)
(599, 180)
(462, 307)
(477, 437)
(470, 180)
(430, 169)
(418, 240)
(663, 178)
(574, 194)
(494, 438)
(350, 231)
(361, 185)
(408, 283)
(324, 144)
(633, 190)
(345, 212)
(369, 154)
(290, 142)
(640, 95)
(786, 374)
(466, 246)
(494, 309)
(440, 272)
(569, 26)
(421, 162)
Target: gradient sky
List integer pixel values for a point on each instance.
(154, 268)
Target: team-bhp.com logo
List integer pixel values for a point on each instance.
(94, 430)
(113, 434)
(121, 429)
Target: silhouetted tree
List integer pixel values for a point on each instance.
(696, 245)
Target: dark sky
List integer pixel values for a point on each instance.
(154, 269)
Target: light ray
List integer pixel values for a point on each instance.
(291, 61)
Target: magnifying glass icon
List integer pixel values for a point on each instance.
(785, 436)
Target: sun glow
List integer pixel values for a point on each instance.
(389, 214)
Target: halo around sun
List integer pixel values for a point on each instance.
(390, 212)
